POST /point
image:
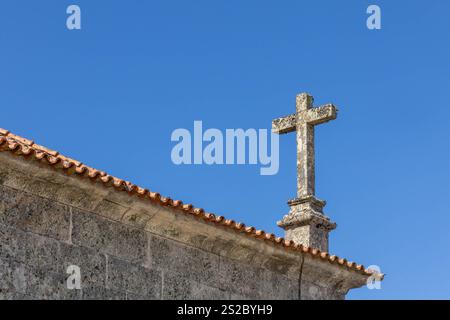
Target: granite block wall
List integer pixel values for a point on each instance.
(41, 238)
(127, 247)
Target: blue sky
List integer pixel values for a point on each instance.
(111, 94)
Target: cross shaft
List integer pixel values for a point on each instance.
(303, 122)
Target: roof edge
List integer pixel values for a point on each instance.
(23, 147)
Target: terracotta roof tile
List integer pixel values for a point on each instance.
(24, 147)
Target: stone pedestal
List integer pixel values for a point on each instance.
(306, 224)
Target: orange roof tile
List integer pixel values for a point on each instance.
(24, 147)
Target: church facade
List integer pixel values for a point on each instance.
(58, 215)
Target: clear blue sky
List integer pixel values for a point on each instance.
(111, 94)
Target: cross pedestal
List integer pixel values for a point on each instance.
(306, 223)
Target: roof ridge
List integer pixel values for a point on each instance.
(24, 147)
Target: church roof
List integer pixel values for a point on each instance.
(23, 147)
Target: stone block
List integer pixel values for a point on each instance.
(28, 248)
(91, 263)
(277, 286)
(110, 210)
(102, 293)
(312, 291)
(190, 262)
(241, 279)
(6, 278)
(34, 214)
(204, 292)
(48, 285)
(33, 282)
(138, 217)
(108, 237)
(134, 279)
(177, 287)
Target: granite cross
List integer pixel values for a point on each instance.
(306, 223)
(303, 122)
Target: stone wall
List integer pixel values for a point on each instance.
(128, 248)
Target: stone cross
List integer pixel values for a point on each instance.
(306, 223)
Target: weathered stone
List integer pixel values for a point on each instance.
(204, 292)
(14, 296)
(131, 278)
(102, 293)
(28, 248)
(6, 282)
(176, 286)
(306, 205)
(108, 237)
(312, 291)
(193, 263)
(133, 296)
(111, 210)
(47, 285)
(138, 217)
(278, 286)
(241, 279)
(91, 263)
(33, 282)
(34, 214)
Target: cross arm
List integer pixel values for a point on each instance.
(284, 124)
(321, 114)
